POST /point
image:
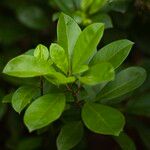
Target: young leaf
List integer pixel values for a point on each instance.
(98, 73)
(59, 57)
(67, 34)
(44, 111)
(86, 45)
(125, 142)
(23, 96)
(41, 52)
(140, 106)
(102, 119)
(115, 53)
(82, 69)
(57, 78)
(70, 135)
(27, 66)
(126, 81)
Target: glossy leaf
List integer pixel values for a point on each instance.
(70, 135)
(27, 66)
(44, 111)
(125, 81)
(67, 34)
(115, 53)
(102, 119)
(59, 57)
(98, 73)
(125, 142)
(41, 52)
(23, 96)
(86, 45)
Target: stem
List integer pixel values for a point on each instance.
(41, 85)
(74, 94)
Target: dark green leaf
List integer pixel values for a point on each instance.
(125, 142)
(102, 119)
(125, 81)
(104, 18)
(70, 135)
(140, 105)
(33, 17)
(30, 143)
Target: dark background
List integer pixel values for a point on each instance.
(26, 23)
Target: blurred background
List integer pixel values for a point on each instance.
(26, 23)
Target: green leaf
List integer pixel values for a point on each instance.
(85, 4)
(23, 96)
(32, 17)
(125, 142)
(67, 34)
(86, 45)
(119, 5)
(29, 52)
(27, 66)
(57, 78)
(98, 73)
(44, 111)
(103, 18)
(115, 53)
(7, 98)
(82, 69)
(41, 52)
(97, 5)
(102, 119)
(140, 106)
(65, 5)
(59, 57)
(70, 135)
(125, 81)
